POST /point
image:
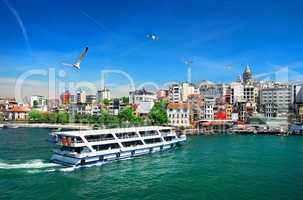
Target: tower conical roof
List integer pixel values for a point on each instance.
(247, 69)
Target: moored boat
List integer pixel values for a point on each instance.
(101, 146)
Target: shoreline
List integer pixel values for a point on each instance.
(188, 132)
(46, 125)
(196, 132)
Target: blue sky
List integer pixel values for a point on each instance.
(42, 34)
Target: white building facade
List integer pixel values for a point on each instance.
(179, 92)
(178, 114)
(143, 100)
(276, 101)
(39, 103)
(103, 94)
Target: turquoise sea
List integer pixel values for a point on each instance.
(207, 167)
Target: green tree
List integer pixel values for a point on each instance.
(52, 117)
(63, 117)
(125, 100)
(138, 121)
(1, 117)
(35, 116)
(104, 117)
(44, 117)
(114, 122)
(127, 114)
(157, 114)
(106, 102)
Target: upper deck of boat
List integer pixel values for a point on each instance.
(113, 130)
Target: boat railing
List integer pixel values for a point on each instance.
(127, 137)
(147, 135)
(69, 143)
(98, 140)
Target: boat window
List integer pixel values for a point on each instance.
(153, 140)
(96, 138)
(106, 147)
(132, 143)
(75, 149)
(68, 140)
(126, 135)
(148, 133)
(169, 138)
(165, 131)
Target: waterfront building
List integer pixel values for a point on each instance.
(83, 109)
(178, 114)
(186, 90)
(66, 97)
(235, 116)
(276, 100)
(196, 105)
(209, 104)
(180, 92)
(103, 94)
(16, 112)
(115, 106)
(245, 110)
(236, 92)
(297, 97)
(96, 110)
(4, 100)
(298, 93)
(220, 115)
(142, 101)
(219, 92)
(72, 99)
(91, 99)
(53, 105)
(250, 93)
(142, 95)
(81, 97)
(228, 111)
(39, 103)
(175, 93)
(162, 94)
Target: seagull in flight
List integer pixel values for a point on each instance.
(80, 59)
(152, 36)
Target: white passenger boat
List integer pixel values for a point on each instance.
(101, 146)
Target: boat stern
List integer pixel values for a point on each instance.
(65, 160)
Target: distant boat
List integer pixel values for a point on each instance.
(14, 126)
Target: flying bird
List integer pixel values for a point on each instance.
(79, 61)
(152, 36)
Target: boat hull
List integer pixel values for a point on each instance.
(109, 157)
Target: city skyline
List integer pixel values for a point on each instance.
(236, 35)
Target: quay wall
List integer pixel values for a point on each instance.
(45, 125)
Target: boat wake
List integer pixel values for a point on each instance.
(32, 164)
(40, 166)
